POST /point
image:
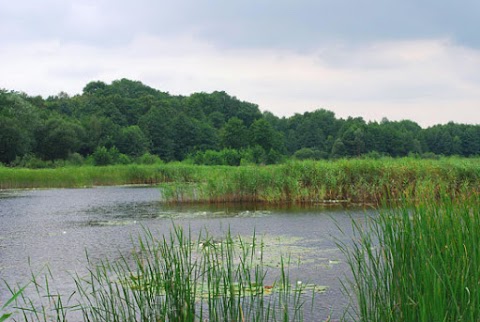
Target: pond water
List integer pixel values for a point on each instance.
(57, 226)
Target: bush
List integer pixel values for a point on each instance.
(33, 162)
(231, 157)
(312, 154)
(375, 155)
(123, 159)
(75, 159)
(148, 158)
(103, 156)
(274, 157)
(430, 156)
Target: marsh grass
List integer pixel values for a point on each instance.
(78, 177)
(301, 182)
(309, 182)
(418, 262)
(176, 278)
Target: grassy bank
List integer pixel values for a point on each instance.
(352, 180)
(175, 278)
(418, 263)
(358, 181)
(76, 177)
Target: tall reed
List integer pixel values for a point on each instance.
(357, 181)
(354, 180)
(176, 278)
(418, 262)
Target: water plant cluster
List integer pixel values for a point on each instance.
(357, 181)
(175, 278)
(352, 180)
(78, 177)
(418, 262)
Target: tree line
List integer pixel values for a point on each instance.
(127, 121)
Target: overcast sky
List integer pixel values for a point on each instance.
(400, 59)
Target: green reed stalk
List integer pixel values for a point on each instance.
(353, 180)
(175, 278)
(418, 262)
(356, 180)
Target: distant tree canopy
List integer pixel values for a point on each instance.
(129, 118)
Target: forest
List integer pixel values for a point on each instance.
(127, 121)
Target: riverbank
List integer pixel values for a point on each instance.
(77, 177)
(352, 180)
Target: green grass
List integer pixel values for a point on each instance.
(354, 180)
(15, 294)
(76, 177)
(175, 278)
(418, 262)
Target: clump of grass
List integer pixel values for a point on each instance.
(418, 262)
(73, 177)
(356, 181)
(306, 182)
(177, 278)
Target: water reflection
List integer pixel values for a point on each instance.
(57, 226)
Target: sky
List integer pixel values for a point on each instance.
(399, 59)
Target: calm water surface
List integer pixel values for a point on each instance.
(57, 226)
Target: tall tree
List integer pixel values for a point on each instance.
(234, 134)
(132, 141)
(57, 138)
(157, 124)
(264, 135)
(18, 121)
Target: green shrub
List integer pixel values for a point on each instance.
(148, 158)
(103, 156)
(123, 159)
(311, 154)
(32, 162)
(75, 159)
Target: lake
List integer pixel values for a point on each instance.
(58, 226)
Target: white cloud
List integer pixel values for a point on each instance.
(428, 81)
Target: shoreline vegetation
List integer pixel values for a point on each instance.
(176, 277)
(302, 182)
(127, 121)
(417, 262)
(418, 259)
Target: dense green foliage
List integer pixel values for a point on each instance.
(418, 262)
(349, 180)
(307, 182)
(131, 119)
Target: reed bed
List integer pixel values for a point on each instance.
(352, 180)
(174, 278)
(417, 262)
(77, 177)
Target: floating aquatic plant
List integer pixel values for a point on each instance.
(178, 278)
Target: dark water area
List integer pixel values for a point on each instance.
(56, 227)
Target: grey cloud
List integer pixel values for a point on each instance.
(308, 24)
(297, 25)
